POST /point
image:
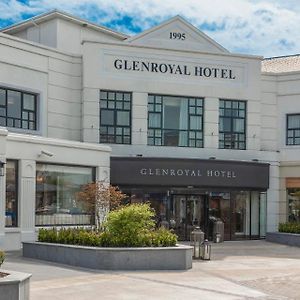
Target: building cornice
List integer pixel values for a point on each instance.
(125, 44)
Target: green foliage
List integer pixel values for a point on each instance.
(292, 227)
(163, 238)
(128, 226)
(133, 226)
(2, 257)
(71, 236)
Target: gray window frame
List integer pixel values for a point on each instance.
(21, 120)
(104, 134)
(293, 130)
(233, 137)
(157, 133)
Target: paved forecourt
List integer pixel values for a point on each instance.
(238, 270)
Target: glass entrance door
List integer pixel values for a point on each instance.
(187, 212)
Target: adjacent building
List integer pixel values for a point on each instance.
(168, 115)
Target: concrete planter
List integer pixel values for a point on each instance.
(15, 286)
(291, 239)
(150, 258)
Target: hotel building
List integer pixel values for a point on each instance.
(168, 115)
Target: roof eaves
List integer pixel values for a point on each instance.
(49, 15)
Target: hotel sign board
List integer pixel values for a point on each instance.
(176, 68)
(188, 172)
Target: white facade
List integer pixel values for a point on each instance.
(66, 62)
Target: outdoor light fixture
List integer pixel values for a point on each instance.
(197, 238)
(47, 153)
(205, 250)
(2, 168)
(212, 157)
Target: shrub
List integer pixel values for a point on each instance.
(134, 226)
(2, 257)
(163, 238)
(71, 236)
(291, 227)
(128, 226)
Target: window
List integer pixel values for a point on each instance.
(293, 195)
(115, 117)
(232, 124)
(175, 121)
(18, 109)
(56, 201)
(293, 129)
(11, 204)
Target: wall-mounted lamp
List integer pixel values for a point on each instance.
(2, 168)
(212, 157)
(45, 152)
(139, 155)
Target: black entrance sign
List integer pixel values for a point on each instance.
(188, 172)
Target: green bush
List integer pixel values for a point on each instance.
(291, 227)
(71, 236)
(128, 226)
(163, 238)
(134, 226)
(2, 257)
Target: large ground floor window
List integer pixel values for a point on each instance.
(243, 213)
(11, 203)
(293, 195)
(56, 189)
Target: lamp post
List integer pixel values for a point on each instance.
(197, 238)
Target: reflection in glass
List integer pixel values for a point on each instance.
(179, 120)
(294, 204)
(56, 188)
(11, 205)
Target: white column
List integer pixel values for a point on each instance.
(27, 188)
(211, 123)
(139, 118)
(3, 136)
(273, 195)
(90, 115)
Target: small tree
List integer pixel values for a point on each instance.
(99, 198)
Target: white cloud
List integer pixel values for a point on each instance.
(266, 27)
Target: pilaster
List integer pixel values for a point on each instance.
(27, 188)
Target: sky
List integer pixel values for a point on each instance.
(259, 27)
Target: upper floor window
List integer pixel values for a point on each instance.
(115, 117)
(18, 109)
(232, 124)
(175, 121)
(293, 129)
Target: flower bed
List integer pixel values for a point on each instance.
(108, 258)
(14, 285)
(291, 239)
(128, 240)
(289, 234)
